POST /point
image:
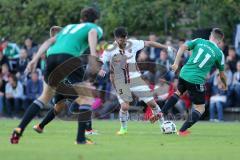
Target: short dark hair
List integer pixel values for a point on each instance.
(217, 33)
(89, 14)
(120, 32)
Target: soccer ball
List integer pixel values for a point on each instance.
(168, 127)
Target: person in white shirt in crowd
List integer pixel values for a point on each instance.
(14, 96)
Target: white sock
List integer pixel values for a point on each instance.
(123, 117)
(156, 110)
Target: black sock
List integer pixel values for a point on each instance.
(89, 126)
(170, 103)
(81, 132)
(83, 118)
(48, 118)
(191, 120)
(30, 113)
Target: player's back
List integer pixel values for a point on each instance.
(73, 39)
(204, 55)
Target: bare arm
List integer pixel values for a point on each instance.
(92, 41)
(154, 44)
(180, 52)
(223, 79)
(44, 47)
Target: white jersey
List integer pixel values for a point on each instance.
(116, 57)
(126, 76)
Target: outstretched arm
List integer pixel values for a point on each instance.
(154, 44)
(159, 45)
(104, 59)
(43, 48)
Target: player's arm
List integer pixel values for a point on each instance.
(104, 59)
(43, 48)
(93, 59)
(92, 41)
(157, 45)
(180, 52)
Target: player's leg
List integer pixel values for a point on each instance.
(89, 129)
(58, 107)
(123, 117)
(84, 111)
(124, 97)
(181, 88)
(197, 95)
(140, 88)
(157, 112)
(196, 114)
(60, 99)
(84, 117)
(32, 111)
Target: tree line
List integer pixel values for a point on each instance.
(21, 18)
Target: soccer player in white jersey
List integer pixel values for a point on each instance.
(125, 76)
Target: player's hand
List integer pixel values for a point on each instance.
(102, 73)
(31, 66)
(174, 67)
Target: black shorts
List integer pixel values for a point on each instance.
(64, 66)
(196, 91)
(64, 69)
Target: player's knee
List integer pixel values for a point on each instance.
(200, 108)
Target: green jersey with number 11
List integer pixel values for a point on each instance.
(205, 54)
(73, 39)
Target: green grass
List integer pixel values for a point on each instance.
(213, 141)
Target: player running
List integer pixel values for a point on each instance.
(74, 106)
(125, 75)
(66, 47)
(205, 54)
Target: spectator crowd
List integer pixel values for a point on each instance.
(18, 90)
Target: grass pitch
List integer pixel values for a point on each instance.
(144, 141)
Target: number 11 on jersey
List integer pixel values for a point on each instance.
(207, 57)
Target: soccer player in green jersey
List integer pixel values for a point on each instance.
(205, 54)
(67, 46)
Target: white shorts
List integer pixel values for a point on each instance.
(137, 86)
